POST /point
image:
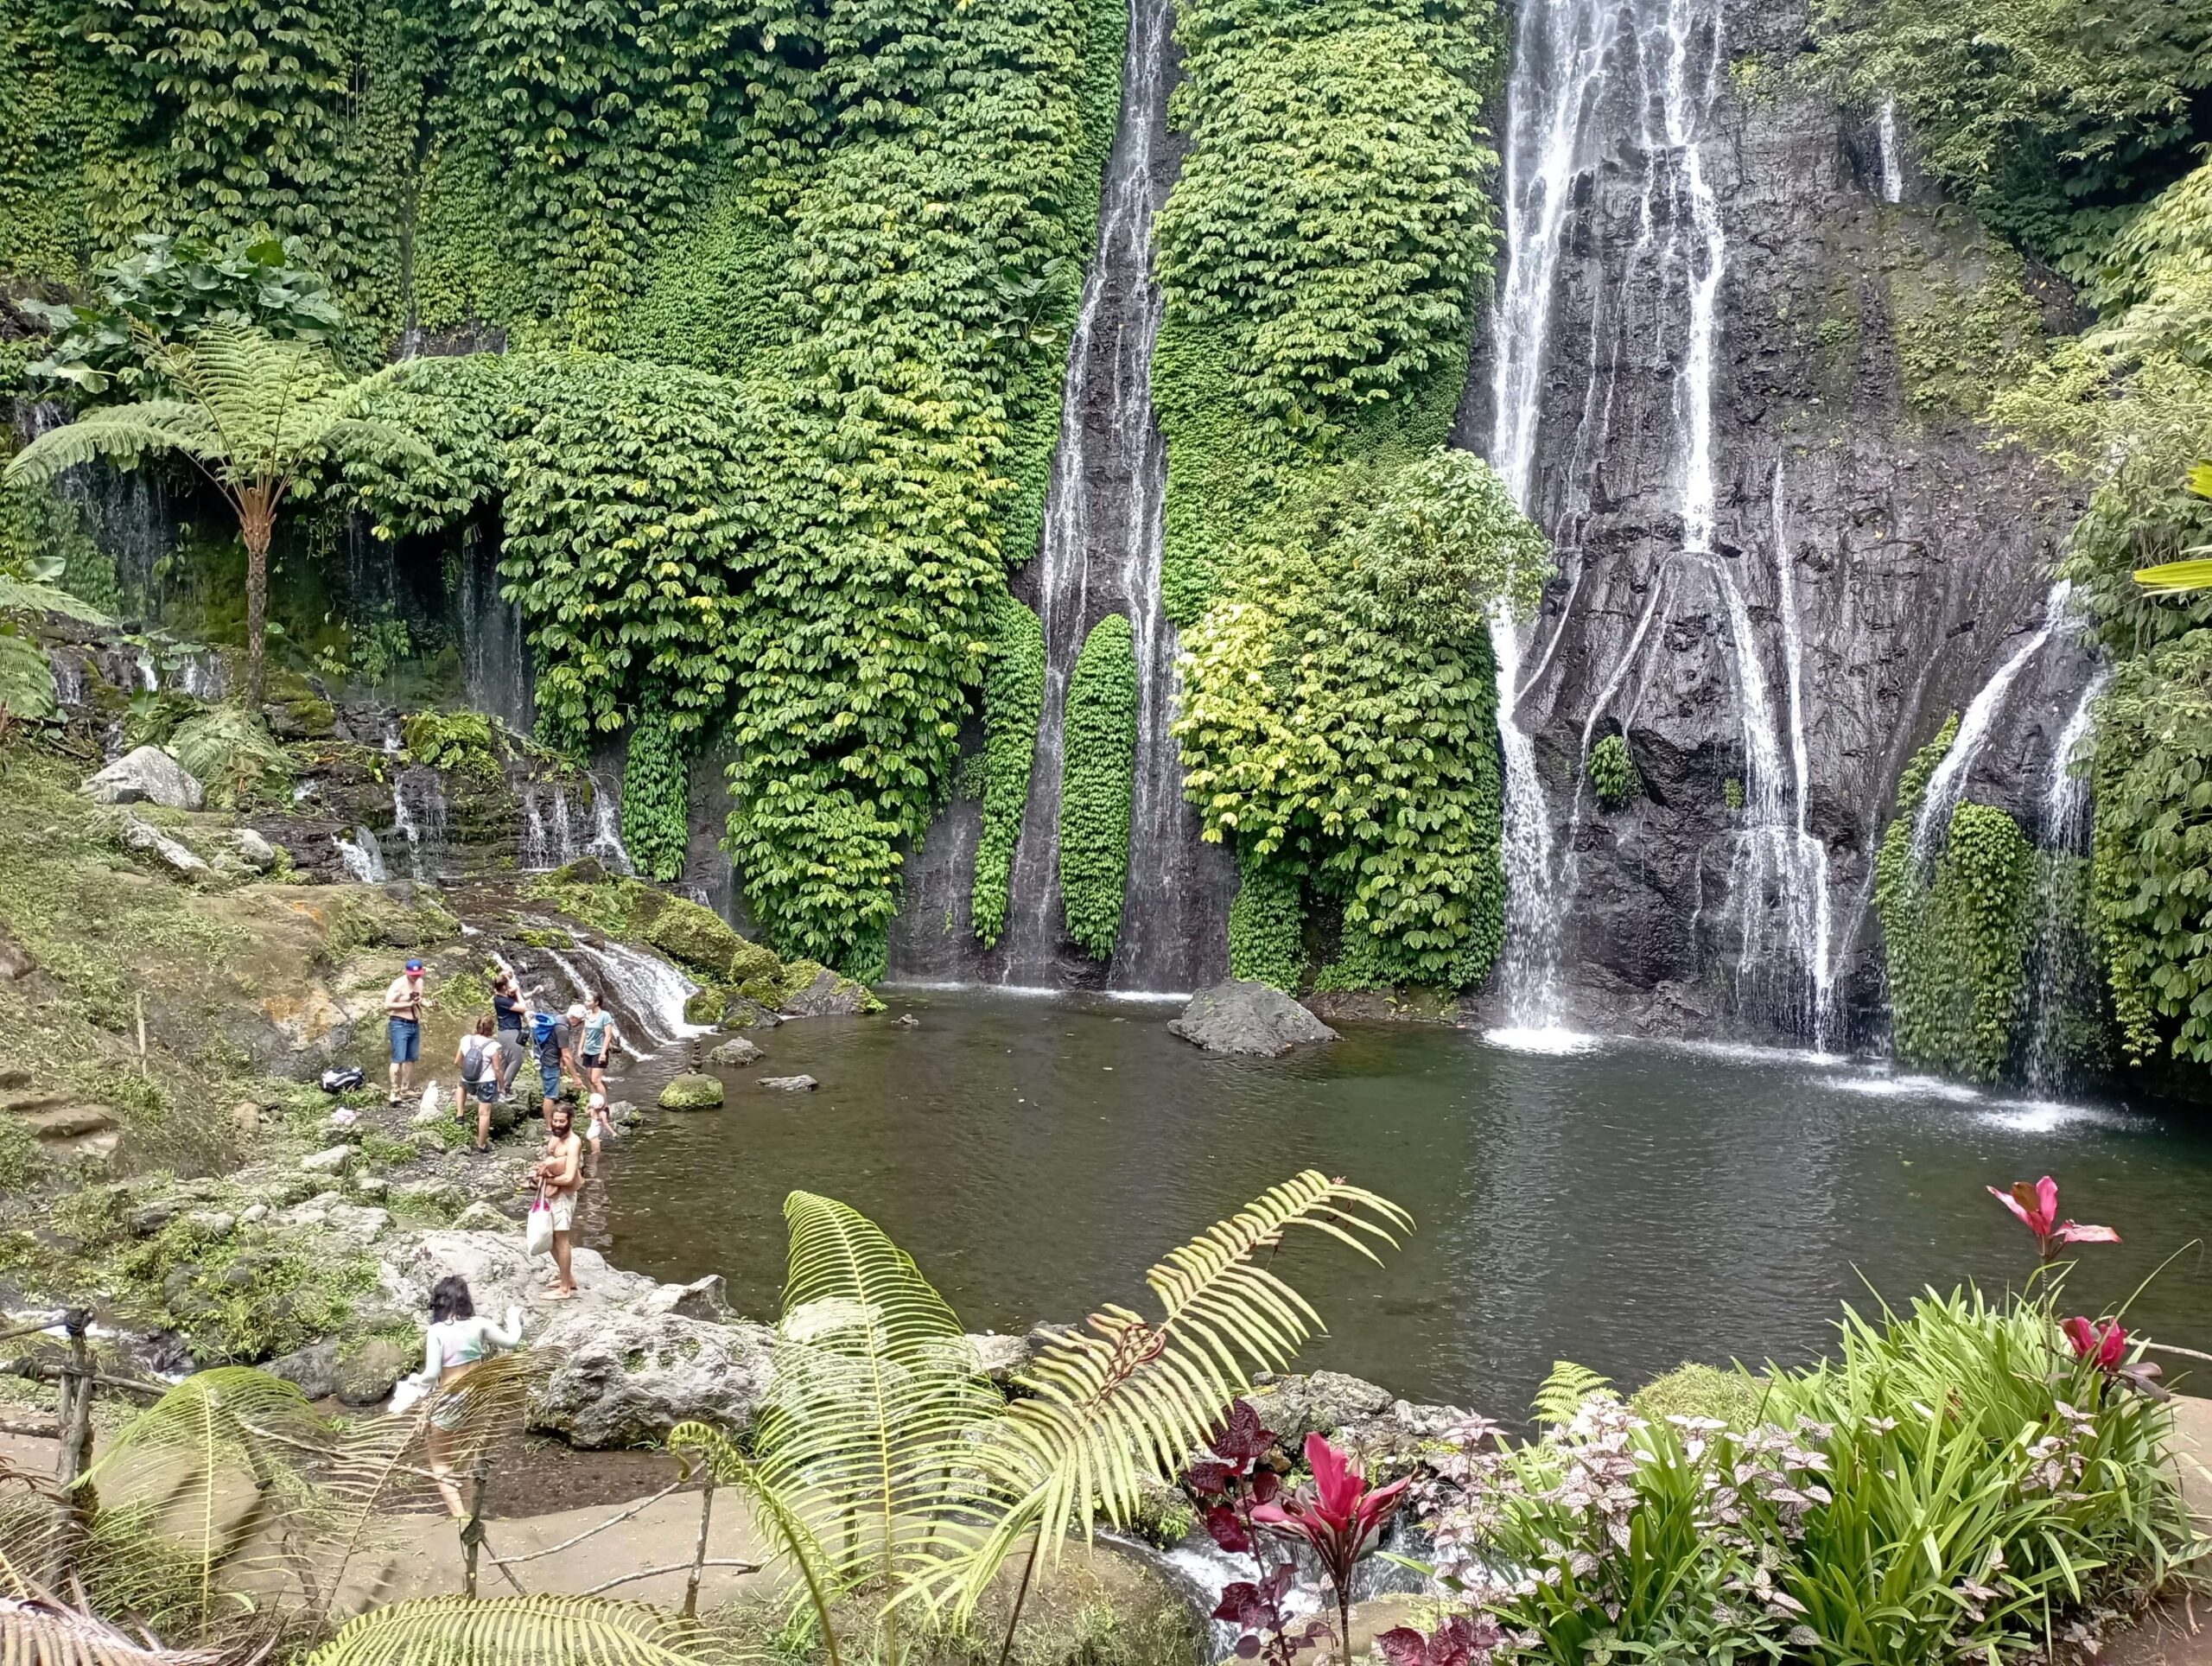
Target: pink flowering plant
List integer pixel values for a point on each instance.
(1963, 1479)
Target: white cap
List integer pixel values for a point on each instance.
(598, 1102)
(576, 1011)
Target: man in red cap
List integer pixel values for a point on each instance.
(402, 1011)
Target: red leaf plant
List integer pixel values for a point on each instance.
(2037, 1207)
(1462, 1640)
(1340, 1519)
(1232, 1482)
(2103, 1344)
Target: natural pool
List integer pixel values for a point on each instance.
(1629, 1207)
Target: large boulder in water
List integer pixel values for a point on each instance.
(148, 775)
(1238, 1016)
(811, 990)
(624, 1379)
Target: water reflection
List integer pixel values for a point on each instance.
(1629, 1208)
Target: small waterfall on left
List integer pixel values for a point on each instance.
(2063, 989)
(418, 815)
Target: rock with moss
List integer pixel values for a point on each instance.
(705, 1006)
(697, 937)
(692, 1093)
(369, 1369)
(811, 990)
(1694, 1391)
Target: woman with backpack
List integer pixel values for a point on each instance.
(477, 1058)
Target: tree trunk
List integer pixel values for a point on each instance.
(256, 523)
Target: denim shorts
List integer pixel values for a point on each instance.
(549, 1077)
(406, 1040)
(487, 1091)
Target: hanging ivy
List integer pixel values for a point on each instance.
(1613, 773)
(1097, 780)
(1267, 922)
(656, 793)
(1014, 700)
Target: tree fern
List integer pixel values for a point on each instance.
(37, 1633)
(544, 1629)
(1125, 1406)
(1565, 1389)
(27, 690)
(23, 596)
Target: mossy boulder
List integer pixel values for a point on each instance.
(1701, 1391)
(811, 990)
(706, 1006)
(701, 939)
(692, 1093)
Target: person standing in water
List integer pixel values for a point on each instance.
(559, 1173)
(554, 1038)
(600, 1038)
(478, 1059)
(454, 1343)
(402, 1011)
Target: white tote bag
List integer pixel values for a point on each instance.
(538, 1239)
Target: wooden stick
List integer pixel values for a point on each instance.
(699, 1555)
(673, 1568)
(472, 1531)
(612, 1521)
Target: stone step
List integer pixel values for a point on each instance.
(31, 1104)
(73, 1122)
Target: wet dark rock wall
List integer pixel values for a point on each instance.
(1919, 553)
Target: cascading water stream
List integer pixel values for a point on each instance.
(1948, 785)
(1561, 56)
(1892, 155)
(418, 815)
(1102, 551)
(2065, 973)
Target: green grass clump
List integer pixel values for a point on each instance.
(1694, 1391)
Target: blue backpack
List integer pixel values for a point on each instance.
(541, 1027)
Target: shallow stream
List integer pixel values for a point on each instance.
(1629, 1207)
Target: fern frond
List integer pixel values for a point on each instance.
(19, 595)
(39, 1633)
(1565, 1389)
(866, 1436)
(2174, 577)
(1125, 1406)
(123, 432)
(545, 1630)
(773, 1514)
(27, 689)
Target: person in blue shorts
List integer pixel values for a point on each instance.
(402, 1013)
(555, 1038)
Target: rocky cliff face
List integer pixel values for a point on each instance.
(1857, 316)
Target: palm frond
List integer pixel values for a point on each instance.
(2175, 577)
(1565, 1389)
(19, 595)
(2200, 479)
(773, 1513)
(544, 1630)
(34, 1632)
(125, 432)
(1127, 1405)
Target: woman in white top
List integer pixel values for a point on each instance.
(477, 1060)
(454, 1344)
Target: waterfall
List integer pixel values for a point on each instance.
(1892, 159)
(1569, 57)
(495, 667)
(418, 815)
(1948, 785)
(1102, 551)
(363, 856)
(2065, 975)
(550, 836)
(645, 993)
(1560, 56)
(1778, 878)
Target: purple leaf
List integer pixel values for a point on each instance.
(1227, 1531)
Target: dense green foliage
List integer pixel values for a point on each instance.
(1267, 920)
(2054, 118)
(1955, 940)
(1340, 707)
(1955, 1482)
(1014, 700)
(656, 793)
(1613, 773)
(1097, 781)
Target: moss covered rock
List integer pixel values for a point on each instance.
(811, 990)
(702, 940)
(692, 1093)
(705, 1006)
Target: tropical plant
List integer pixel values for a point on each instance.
(885, 1461)
(254, 414)
(1339, 1519)
(2037, 1208)
(1233, 1483)
(1613, 773)
(167, 291)
(27, 690)
(2194, 571)
(228, 751)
